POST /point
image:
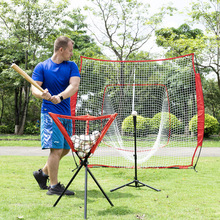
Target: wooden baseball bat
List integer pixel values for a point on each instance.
(26, 76)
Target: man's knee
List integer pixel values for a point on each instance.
(56, 152)
(59, 153)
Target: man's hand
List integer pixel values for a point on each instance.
(46, 95)
(55, 99)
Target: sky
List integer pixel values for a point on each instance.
(174, 21)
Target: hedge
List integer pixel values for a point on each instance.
(211, 125)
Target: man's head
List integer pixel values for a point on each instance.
(64, 47)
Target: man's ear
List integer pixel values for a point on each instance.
(61, 49)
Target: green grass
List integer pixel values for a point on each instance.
(185, 194)
(34, 141)
(211, 142)
(19, 137)
(20, 140)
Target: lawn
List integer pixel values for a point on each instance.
(185, 194)
(20, 140)
(34, 141)
(212, 142)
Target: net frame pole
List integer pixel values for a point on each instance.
(136, 182)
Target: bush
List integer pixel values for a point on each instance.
(211, 125)
(143, 125)
(3, 129)
(31, 128)
(193, 124)
(170, 122)
(151, 125)
(7, 129)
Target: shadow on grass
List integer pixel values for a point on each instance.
(93, 195)
(122, 210)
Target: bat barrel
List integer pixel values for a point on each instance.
(26, 76)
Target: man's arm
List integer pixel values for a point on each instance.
(69, 91)
(38, 94)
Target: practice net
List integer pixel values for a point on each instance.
(165, 93)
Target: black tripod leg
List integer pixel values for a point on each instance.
(149, 186)
(100, 187)
(79, 168)
(122, 186)
(136, 182)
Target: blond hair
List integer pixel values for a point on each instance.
(62, 41)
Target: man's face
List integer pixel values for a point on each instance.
(68, 52)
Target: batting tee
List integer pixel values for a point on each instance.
(165, 93)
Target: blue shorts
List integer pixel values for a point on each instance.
(51, 136)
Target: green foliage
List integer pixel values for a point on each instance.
(75, 28)
(211, 125)
(142, 127)
(193, 124)
(32, 128)
(6, 129)
(180, 41)
(26, 27)
(211, 93)
(206, 13)
(28, 30)
(140, 55)
(148, 122)
(3, 129)
(152, 125)
(170, 122)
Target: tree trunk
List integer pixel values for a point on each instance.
(25, 109)
(17, 113)
(21, 109)
(2, 109)
(218, 40)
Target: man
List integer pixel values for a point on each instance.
(60, 79)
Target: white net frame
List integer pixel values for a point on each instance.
(165, 94)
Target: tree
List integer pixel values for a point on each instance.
(124, 26)
(26, 24)
(207, 13)
(211, 98)
(29, 28)
(74, 26)
(180, 41)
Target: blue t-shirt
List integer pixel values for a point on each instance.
(55, 78)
